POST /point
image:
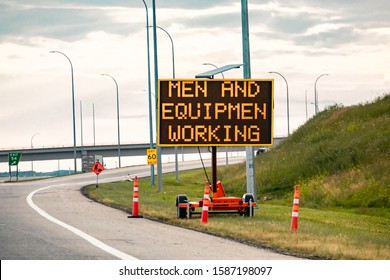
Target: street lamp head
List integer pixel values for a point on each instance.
(274, 72)
(211, 64)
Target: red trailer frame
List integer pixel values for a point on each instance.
(219, 203)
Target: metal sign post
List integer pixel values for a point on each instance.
(97, 168)
(250, 161)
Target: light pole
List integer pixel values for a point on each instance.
(173, 76)
(250, 161)
(172, 49)
(288, 103)
(32, 162)
(117, 117)
(81, 127)
(306, 103)
(73, 109)
(316, 94)
(149, 93)
(155, 55)
(58, 161)
(81, 137)
(93, 124)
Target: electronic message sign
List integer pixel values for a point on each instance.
(210, 112)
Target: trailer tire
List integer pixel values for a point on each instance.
(181, 212)
(247, 198)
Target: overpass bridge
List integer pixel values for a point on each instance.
(127, 150)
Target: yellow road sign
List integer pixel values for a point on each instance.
(151, 156)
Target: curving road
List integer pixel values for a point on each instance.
(51, 220)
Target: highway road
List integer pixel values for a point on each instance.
(51, 220)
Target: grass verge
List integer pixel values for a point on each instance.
(324, 234)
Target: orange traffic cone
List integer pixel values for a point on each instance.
(294, 215)
(205, 208)
(135, 200)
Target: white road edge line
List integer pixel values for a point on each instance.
(95, 242)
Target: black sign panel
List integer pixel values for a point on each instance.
(205, 112)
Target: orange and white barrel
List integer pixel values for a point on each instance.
(294, 215)
(206, 202)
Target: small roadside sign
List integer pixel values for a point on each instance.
(14, 158)
(97, 168)
(151, 156)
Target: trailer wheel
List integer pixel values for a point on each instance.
(181, 212)
(247, 198)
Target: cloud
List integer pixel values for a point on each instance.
(212, 21)
(73, 20)
(300, 39)
(321, 26)
(328, 39)
(64, 22)
(193, 5)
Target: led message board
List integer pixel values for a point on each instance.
(208, 112)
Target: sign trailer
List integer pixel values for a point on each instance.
(210, 112)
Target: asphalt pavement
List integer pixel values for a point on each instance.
(51, 220)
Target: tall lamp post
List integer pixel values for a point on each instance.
(288, 103)
(117, 117)
(73, 109)
(173, 76)
(172, 48)
(149, 93)
(250, 161)
(155, 56)
(316, 93)
(32, 162)
(93, 124)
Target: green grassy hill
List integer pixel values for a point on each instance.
(340, 158)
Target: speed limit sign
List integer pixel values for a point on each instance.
(151, 156)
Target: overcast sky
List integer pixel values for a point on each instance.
(302, 39)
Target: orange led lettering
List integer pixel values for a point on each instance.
(187, 89)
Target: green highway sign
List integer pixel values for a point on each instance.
(14, 158)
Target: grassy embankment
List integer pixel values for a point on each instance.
(340, 158)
